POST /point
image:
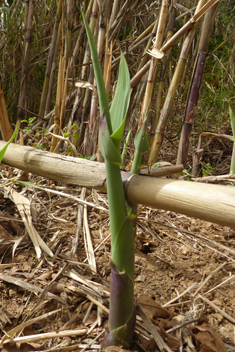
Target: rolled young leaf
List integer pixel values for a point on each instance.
(141, 146)
(120, 102)
(107, 146)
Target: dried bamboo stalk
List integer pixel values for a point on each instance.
(170, 33)
(196, 83)
(52, 73)
(5, 126)
(214, 203)
(159, 133)
(57, 110)
(79, 108)
(114, 11)
(149, 44)
(154, 61)
(80, 36)
(50, 58)
(70, 14)
(29, 5)
(174, 39)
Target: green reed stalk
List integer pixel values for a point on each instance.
(122, 309)
(232, 118)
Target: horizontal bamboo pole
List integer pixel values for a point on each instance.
(214, 203)
(65, 169)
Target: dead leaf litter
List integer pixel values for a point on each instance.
(54, 274)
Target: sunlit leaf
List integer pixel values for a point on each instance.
(141, 146)
(141, 139)
(3, 149)
(120, 103)
(125, 148)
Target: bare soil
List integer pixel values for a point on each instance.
(184, 275)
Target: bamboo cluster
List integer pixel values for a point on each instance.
(64, 99)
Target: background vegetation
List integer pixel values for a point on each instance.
(23, 77)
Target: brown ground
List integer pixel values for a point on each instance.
(174, 255)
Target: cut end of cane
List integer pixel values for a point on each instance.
(157, 54)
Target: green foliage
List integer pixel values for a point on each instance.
(186, 175)
(207, 170)
(108, 149)
(120, 103)
(29, 124)
(92, 157)
(125, 147)
(141, 146)
(3, 149)
(73, 133)
(29, 184)
(66, 134)
(37, 138)
(40, 137)
(127, 31)
(110, 137)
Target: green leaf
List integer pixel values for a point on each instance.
(26, 183)
(120, 103)
(125, 148)
(131, 214)
(75, 136)
(66, 134)
(31, 119)
(103, 100)
(107, 146)
(41, 146)
(141, 139)
(92, 157)
(74, 127)
(232, 118)
(142, 146)
(3, 150)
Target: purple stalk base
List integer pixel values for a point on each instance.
(192, 102)
(122, 313)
